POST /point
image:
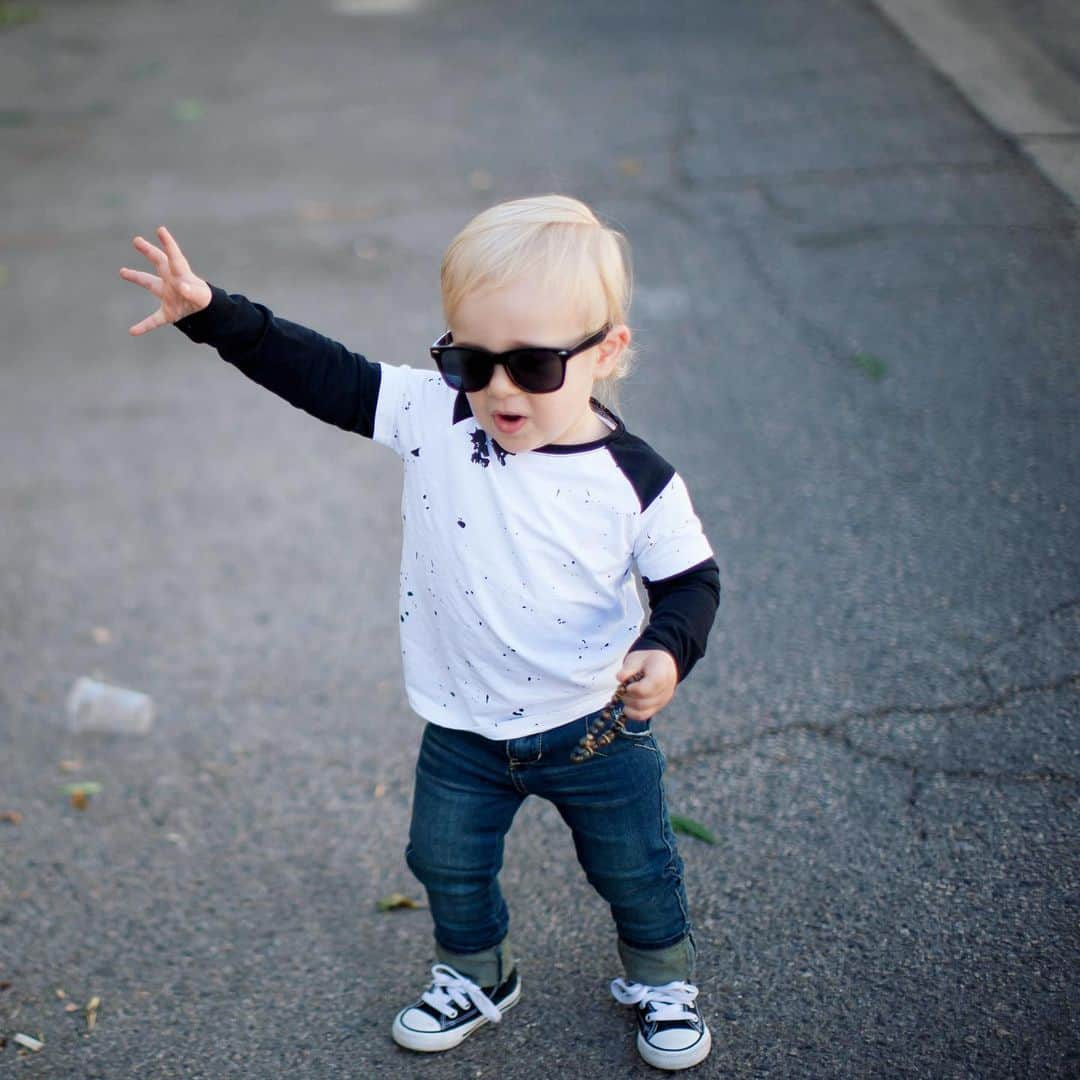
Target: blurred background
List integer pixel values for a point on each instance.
(857, 309)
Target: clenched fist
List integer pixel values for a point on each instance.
(656, 687)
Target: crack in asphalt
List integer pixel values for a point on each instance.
(682, 135)
(887, 170)
(836, 731)
(785, 306)
(1029, 625)
(994, 701)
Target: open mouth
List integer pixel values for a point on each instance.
(508, 423)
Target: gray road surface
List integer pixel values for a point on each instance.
(858, 309)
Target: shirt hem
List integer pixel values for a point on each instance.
(513, 727)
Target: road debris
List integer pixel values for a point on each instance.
(93, 705)
(692, 828)
(79, 793)
(398, 901)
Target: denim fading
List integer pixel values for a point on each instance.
(468, 789)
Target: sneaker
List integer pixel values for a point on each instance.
(671, 1033)
(451, 1009)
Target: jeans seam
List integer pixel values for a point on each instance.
(672, 856)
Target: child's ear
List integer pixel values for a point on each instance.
(610, 349)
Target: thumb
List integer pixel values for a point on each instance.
(630, 667)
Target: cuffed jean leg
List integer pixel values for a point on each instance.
(488, 967)
(462, 810)
(615, 806)
(654, 967)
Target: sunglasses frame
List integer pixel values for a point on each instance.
(506, 359)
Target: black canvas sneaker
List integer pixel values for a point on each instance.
(671, 1034)
(451, 1009)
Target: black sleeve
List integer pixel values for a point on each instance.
(682, 611)
(308, 370)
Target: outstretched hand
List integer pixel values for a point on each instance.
(655, 689)
(180, 291)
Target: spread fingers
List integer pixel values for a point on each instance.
(150, 282)
(154, 254)
(151, 322)
(172, 249)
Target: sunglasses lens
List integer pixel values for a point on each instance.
(537, 371)
(465, 369)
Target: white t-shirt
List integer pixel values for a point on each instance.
(518, 601)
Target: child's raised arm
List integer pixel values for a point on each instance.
(180, 291)
(310, 371)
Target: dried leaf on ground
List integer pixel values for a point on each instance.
(79, 793)
(69, 765)
(692, 828)
(396, 901)
(12, 817)
(91, 1012)
(82, 787)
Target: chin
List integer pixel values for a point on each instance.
(517, 444)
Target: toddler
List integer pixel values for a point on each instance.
(527, 507)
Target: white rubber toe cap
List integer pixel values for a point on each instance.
(677, 1056)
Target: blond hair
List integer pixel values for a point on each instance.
(576, 255)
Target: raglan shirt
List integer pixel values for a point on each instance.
(517, 595)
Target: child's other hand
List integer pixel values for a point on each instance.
(647, 697)
(175, 285)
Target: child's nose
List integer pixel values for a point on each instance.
(501, 383)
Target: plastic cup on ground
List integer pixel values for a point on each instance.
(102, 707)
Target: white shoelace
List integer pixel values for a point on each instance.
(451, 989)
(667, 1002)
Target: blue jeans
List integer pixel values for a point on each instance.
(468, 789)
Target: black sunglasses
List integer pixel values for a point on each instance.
(534, 370)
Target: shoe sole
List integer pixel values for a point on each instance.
(434, 1042)
(673, 1060)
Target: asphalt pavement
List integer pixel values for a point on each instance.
(857, 307)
